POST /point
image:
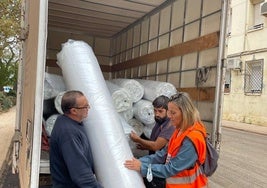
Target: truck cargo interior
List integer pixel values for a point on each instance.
(176, 41)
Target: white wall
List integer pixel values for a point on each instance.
(246, 44)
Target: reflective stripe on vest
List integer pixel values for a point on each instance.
(185, 179)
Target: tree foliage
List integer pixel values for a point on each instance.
(10, 15)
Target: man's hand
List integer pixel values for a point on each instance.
(139, 146)
(134, 136)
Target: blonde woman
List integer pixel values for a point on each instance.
(179, 161)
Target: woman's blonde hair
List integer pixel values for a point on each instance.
(189, 112)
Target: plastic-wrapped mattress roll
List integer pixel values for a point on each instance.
(127, 130)
(53, 85)
(144, 111)
(127, 114)
(135, 89)
(137, 125)
(153, 89)
(57, 102)
(110, 148)
(148, 130)
(49, 108)
(49, 124)
(120, 96)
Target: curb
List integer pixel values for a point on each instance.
(257, 129)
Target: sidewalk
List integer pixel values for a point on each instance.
(245, 127)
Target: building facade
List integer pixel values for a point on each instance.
(245, 98)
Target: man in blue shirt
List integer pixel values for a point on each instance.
(71, 161)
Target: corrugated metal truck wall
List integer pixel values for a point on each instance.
(178, 44)
(101, 47)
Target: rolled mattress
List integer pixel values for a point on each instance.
(153, 89)
(120, 97)
(135, 89)
(53, 85)
(144, 111)
(127, 114)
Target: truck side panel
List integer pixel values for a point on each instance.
(33, 55)
(180, 42)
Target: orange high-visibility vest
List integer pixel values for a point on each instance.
(192, 177)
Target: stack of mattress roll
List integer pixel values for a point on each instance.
(120, 96)
(135, 89)
(153, 89)
(111, 100)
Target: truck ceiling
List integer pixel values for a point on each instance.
(102, 18)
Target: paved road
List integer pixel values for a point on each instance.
(242, 163)
(243, 160)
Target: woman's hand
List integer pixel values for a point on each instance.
(133, 164)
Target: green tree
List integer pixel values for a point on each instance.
(10, 16)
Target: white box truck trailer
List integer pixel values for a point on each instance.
(175, 41)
